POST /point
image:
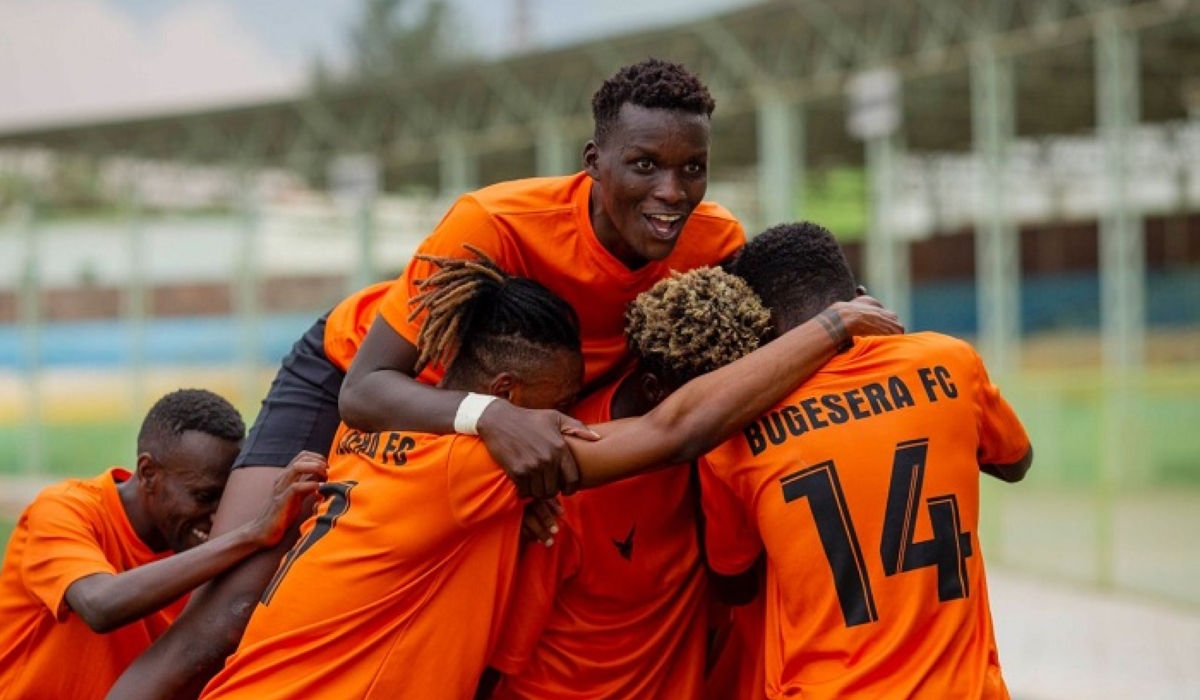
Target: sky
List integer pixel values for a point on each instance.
(73, 61)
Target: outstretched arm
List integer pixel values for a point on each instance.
(712, 407)
(108, 601)
(381, 394)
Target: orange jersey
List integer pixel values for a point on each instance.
(70, 531)
(616, 608)
(398, 583)
(540, 228)
(347, 324)
(736, 672)
(863, 486)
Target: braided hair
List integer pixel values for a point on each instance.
(480, 316)
(652, 83)
(694, 322)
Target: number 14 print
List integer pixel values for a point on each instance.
(900, 552)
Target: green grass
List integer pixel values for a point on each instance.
(69, 449)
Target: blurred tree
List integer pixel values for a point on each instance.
(392, 38)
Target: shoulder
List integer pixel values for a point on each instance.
(527, 195)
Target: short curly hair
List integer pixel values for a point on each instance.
(797, 269)
(188, 409)
(694, 322)
(652, 83)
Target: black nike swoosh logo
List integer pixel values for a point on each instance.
(625, 548)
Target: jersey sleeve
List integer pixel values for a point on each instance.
(731, 540)
(477, 487)
(62, 548)
(1002, 437)
(541, 572)
(466, 222)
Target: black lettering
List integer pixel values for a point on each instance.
(877, 398)
(901, 396)
(835, 411)
(854, 402)
(754, 439)
(943, 378)
(928, 382)
(814, 413)
(779, 432)
(397, 449)
(794, 420)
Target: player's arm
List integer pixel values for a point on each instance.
(1011, 472)
(707, 410)
(106, 602)
(194, 648)
(380, 394)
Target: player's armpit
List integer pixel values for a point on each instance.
(738, 589)
(1012, 472)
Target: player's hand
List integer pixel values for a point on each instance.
(302, 477)
(539, 523)
(530, 446)
(865, 315)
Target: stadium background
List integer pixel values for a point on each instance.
(1024, 174)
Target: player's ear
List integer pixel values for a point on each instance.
(506, 386)
(148, 472)
(591, 159)
(654, 388)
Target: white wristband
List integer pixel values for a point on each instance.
(469, 410)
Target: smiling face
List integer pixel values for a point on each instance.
(187, 487)
(650, 174)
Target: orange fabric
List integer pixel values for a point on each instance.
(617, 607)
(347, 324)
(881, 448)
(398, 583)
(737, 667)
(71, 530)
(540, 228)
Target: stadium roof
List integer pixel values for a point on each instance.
(799, 51)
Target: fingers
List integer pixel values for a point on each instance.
(540, 521)
(576, 428)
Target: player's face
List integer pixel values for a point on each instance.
(554, 382)
(650, 174)
(191, 480)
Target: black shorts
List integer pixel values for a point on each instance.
(300, 411)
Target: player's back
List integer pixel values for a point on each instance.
(864, 487)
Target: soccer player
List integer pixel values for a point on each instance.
(617, 607)
(597, 238)
(97, 568)
(862, 487)
(397, 586)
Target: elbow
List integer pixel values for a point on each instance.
(351, 405)
(1014, 472)
(98, 620)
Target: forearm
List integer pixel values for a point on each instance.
(107, 602)
(194, 648)
(707, 410)
(387, 399)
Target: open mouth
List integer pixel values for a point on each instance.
(199, 534)
(665, 226)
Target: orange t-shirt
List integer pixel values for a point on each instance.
(863, 486)
(72, 530)
(540, 228)
(398, 583)
(347, 324)
(736, 670)
(616, 608)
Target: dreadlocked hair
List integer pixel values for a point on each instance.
(652, 83)
(797, 269)
(188, 409)
(479, 315)
(694, 322)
